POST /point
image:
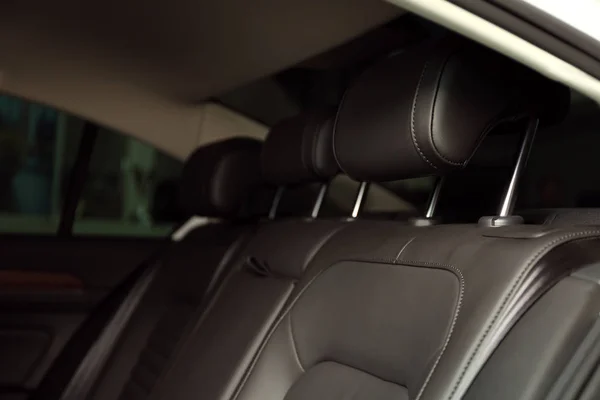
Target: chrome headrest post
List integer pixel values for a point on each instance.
(507, 206)
(361, 196)
(276, 201)
(428, 219)
(434, 198)
(510, 195)
(319, 201)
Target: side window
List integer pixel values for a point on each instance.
(130, 187)
(30, 167)
(561, 171)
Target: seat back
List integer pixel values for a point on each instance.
(392, 310)
(186, 271)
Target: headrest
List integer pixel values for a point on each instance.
(425, 111)
(219, 178)
(300, 150)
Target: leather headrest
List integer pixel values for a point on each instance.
(218, 179)
(425, 111)
(300, 150)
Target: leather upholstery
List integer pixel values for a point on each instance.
(299, 150)
(425, 111)
(371, 309)
(218, 179)
(227, 338)
(380, 313)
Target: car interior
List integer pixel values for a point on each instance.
(289, 200)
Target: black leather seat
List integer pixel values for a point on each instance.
(218, 181)
(179, 337)
(317, 309)
(395, 311)
(267, 270)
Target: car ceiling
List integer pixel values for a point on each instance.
(134, 65)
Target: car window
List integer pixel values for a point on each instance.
(560, 172)
(563, 165)
(129, 189)
(580, 14)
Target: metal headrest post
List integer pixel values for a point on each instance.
(434, 198)
(507, 205)
(276, 201)
(510, 195)
(361, 196)
(319, 201)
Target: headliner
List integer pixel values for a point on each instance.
(143, 68)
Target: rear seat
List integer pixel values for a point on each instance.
(174, 336)
(316, 309)
(394, 311)
(188, 271)
(297, 151)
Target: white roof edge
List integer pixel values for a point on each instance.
(478, 29)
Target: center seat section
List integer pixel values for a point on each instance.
(297, 151)
(217, 182)
(392, 311)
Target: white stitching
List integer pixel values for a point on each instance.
(458, 273)
(532, 261)
(437, 90)
(412, 118)
(285, 312)
(461, 279)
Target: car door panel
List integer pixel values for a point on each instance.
(48, 287)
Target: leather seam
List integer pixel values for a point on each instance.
(315, 137)
(412, 118)
(202, 309)
(491, 125)
(457, 309)
(306, 167)
(437, 89)
(313, 148)
(456, 272)
(294, 347)
(286, 311)
(362, 371)
(336, 119)
(532, 261)
(335, 126)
